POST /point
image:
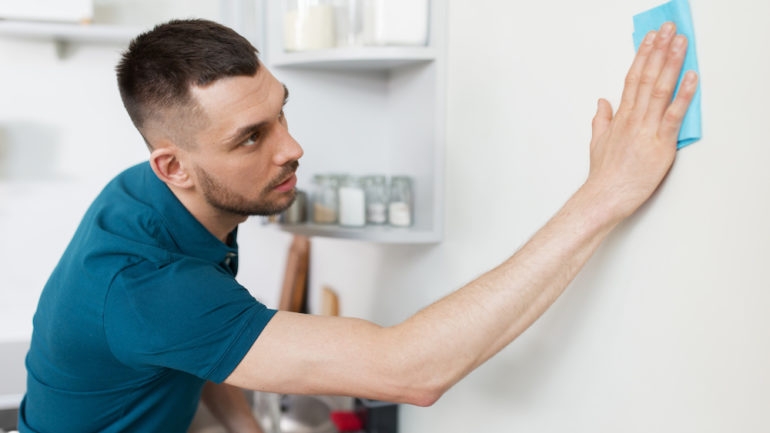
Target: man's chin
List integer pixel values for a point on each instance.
(277, 206)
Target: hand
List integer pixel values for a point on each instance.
(632, 151)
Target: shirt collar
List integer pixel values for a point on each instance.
(190, 236)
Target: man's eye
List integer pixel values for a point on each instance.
(252, 139)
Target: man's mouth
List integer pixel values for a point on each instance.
(288, 184)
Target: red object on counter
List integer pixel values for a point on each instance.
(346, 421)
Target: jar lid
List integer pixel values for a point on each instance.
(400, 179)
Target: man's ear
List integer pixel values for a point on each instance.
(166, 164)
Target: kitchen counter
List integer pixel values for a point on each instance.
(13, 375)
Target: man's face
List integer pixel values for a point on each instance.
(244, 158)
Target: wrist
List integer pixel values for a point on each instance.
(600, 207)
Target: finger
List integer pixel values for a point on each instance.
(653, 67)
(674, 114)
(663, 91)
(601, 120)
(635, 72)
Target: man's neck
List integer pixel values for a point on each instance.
(218, 222)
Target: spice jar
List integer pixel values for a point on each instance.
(325, 199)
(400, 208)
(296, 212)
(376, 199)
(352, 202)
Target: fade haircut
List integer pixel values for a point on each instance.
(160, 66)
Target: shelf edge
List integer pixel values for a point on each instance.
(356, 58)
(95, 33)
(396, 236)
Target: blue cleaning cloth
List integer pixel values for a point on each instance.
(677, 11)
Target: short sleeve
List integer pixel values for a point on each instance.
(188, 315)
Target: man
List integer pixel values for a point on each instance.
(142, 317)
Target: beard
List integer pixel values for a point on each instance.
(220, 197)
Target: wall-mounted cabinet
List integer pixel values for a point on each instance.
(368, 110)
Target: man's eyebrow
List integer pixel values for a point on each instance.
(249, 129)
(245, 131)
(285, 94)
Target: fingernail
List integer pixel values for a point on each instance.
(650, 38)
(678, 44)
(667, 29)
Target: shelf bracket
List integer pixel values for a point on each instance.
(63, 48)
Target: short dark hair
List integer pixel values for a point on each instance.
(157, 70)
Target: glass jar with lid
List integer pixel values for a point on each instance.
(349, 22)
(308, 25)
(325, 199)
(352, 202)
(376, 199)
(400, 207)
(296, 213)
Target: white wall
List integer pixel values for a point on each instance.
(664, 330)
(666, 327)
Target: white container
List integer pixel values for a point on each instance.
(352, 203)
(396, 22)
(77, 11)
(308, 25)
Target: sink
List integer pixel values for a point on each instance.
(295, 413)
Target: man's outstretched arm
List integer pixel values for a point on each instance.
(419, 359)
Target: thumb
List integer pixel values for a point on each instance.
(601, 120)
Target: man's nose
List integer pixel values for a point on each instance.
(289, 150)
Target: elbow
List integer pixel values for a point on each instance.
(416, 391)
(423, 391)
(425, 398)
(410, 373)
(413, 376)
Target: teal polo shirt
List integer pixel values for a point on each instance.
(141, 310)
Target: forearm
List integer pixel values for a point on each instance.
(228, 405)
(448, 339)
(417, 360)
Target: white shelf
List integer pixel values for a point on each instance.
(369, 109)
(355, 58)
(61, 32)
(380, 234)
